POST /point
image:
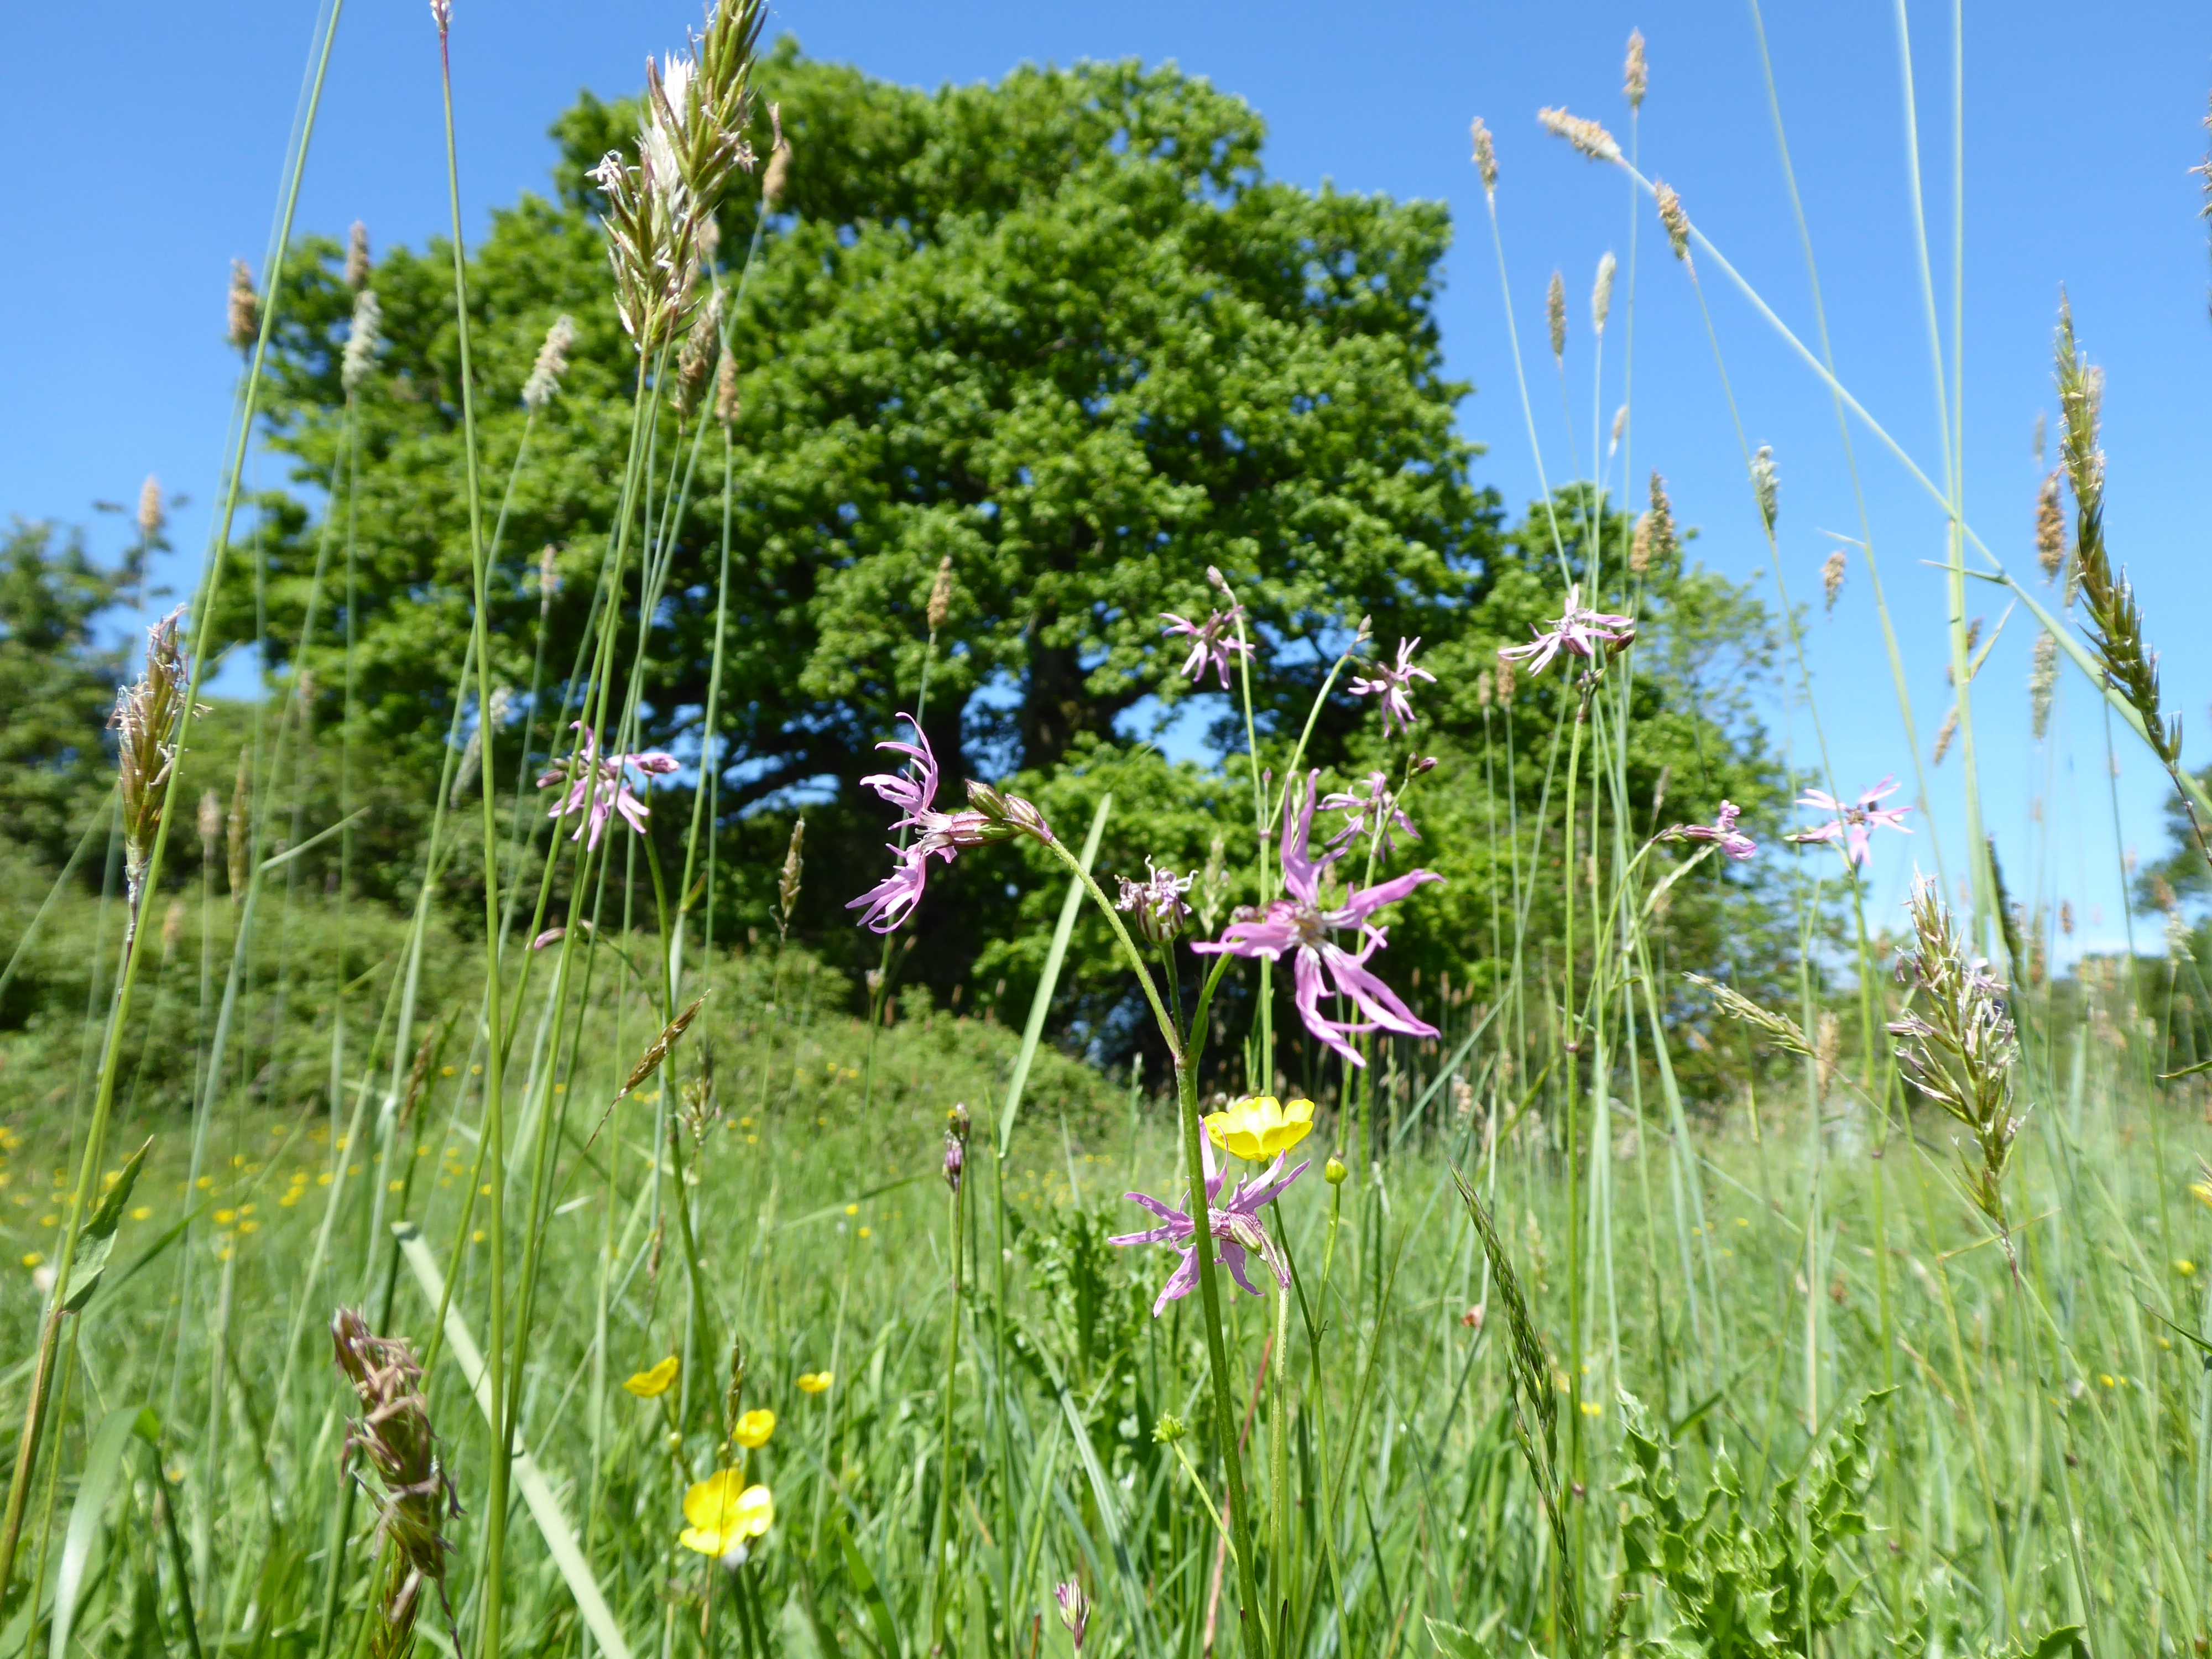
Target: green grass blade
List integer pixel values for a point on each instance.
(1043, 1001)
(103, 1475)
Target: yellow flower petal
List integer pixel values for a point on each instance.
(754, 1429)
(652, 1384)
(1260, 1128)
(724, 1512)
(816, 1381)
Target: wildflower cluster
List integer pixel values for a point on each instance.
(1854, 822)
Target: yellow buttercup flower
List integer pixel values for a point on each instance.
(651, 1385)
(816, 1381)
(726, 1514)
(753, 1428)
(1257, 1129)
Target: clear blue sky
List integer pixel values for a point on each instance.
(148, 139)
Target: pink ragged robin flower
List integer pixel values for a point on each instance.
(1211, 642)
(1722, 832)
(1376, 812)
(1580, 632)
(1297, 924)
(1393, 684)
(994, 817)
(1234, 1228)
(1853, 823)
(601, 786)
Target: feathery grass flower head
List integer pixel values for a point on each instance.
(1958, 1044)
(1594, 635)
(1156, 904)
(1233, 1230)
(1634, 76)
(1297, 923)
(552, 363)
(816, 1381)
(1945, 734)
(1586, 136)
(1261, 1128)
(1721, 832)
(695, 363)
(1831, 578)
(656, 1380)
(2049, 528)
(1393, 683)
(1501, 677)
(788, 882)
(2116, 632)
(1853, 823)
(725, 1515)
(601, 786)
(413, 1492)
(2042, 680)
(991, 817)
(753, 1428)
(1765, 485)
(1657, 527)
(1555, 311)
(1675, 217)
(941, 595)
(153, 516)
(1374, 812)
(1485, 156)
(1212, 642)
(360, 359)
(777, 173)
(147, 712)
(727, 405)
(1074, 1610)
(1602, 307)
(356, 259)
(243, 325)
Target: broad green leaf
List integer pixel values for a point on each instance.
(103, 1476)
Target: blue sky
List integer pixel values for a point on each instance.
(149, 139)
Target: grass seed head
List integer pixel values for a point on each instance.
(356, 260)
(1958, 1045)
(2049, 528)
(551, 364)
(787, 887)
(940, 594)
(360, 359)
(1945, 734)
(695, 361)
(152, 517)
(1765, 485)
(1634, 75)
(777, 173)
(1601, 295)
(1586, 136)
(412, 1490)
(243, 325)
(1485, 156)
(147, 715)
(1674, 217)
(1555, 312)
(1831, 578)
(2042, 678)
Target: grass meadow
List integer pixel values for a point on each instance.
(536, 1273)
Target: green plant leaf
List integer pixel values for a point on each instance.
(97, 1241)
(103, 1472)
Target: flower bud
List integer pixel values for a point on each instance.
(1168, 1430)
(958, 1123)
(1333, 1171)
(956, 1160)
